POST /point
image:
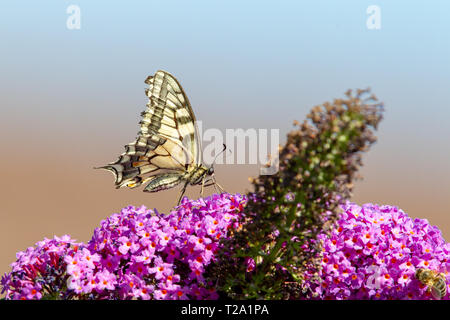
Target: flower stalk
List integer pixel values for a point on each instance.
(286, 211)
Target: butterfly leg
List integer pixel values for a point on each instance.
(215, 188)
(203, 186)
(213, 183)
(210, 184)
(217, 184)
(220, 187)
(206, 184)
(182, 192)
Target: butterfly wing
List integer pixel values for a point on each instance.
(172, 111)
(167, 140)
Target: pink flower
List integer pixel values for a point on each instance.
(373, 254)
(133, 255)
(145, 256)
(105, 280)
(250, 264)
(89, 259)
(127, 245)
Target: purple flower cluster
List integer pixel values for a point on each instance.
(39, 270)
(374, 252)
(142, 254)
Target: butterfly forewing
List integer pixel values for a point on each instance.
(165, 93)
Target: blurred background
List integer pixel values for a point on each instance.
(71, 98)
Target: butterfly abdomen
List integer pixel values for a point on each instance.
(163, 182)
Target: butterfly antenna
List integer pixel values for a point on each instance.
(224, 148)
(216, 184)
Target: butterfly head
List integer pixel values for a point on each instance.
(210, 170)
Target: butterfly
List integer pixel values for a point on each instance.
(167, 151)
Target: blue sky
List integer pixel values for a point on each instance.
(245, 64)
(263, 55)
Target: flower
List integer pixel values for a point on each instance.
(135, 254)
(161, 256)
(41, 267)
(250, 263)
(373, 253)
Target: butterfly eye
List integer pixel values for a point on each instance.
(210, 170)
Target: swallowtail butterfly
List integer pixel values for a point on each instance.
(167, 151)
